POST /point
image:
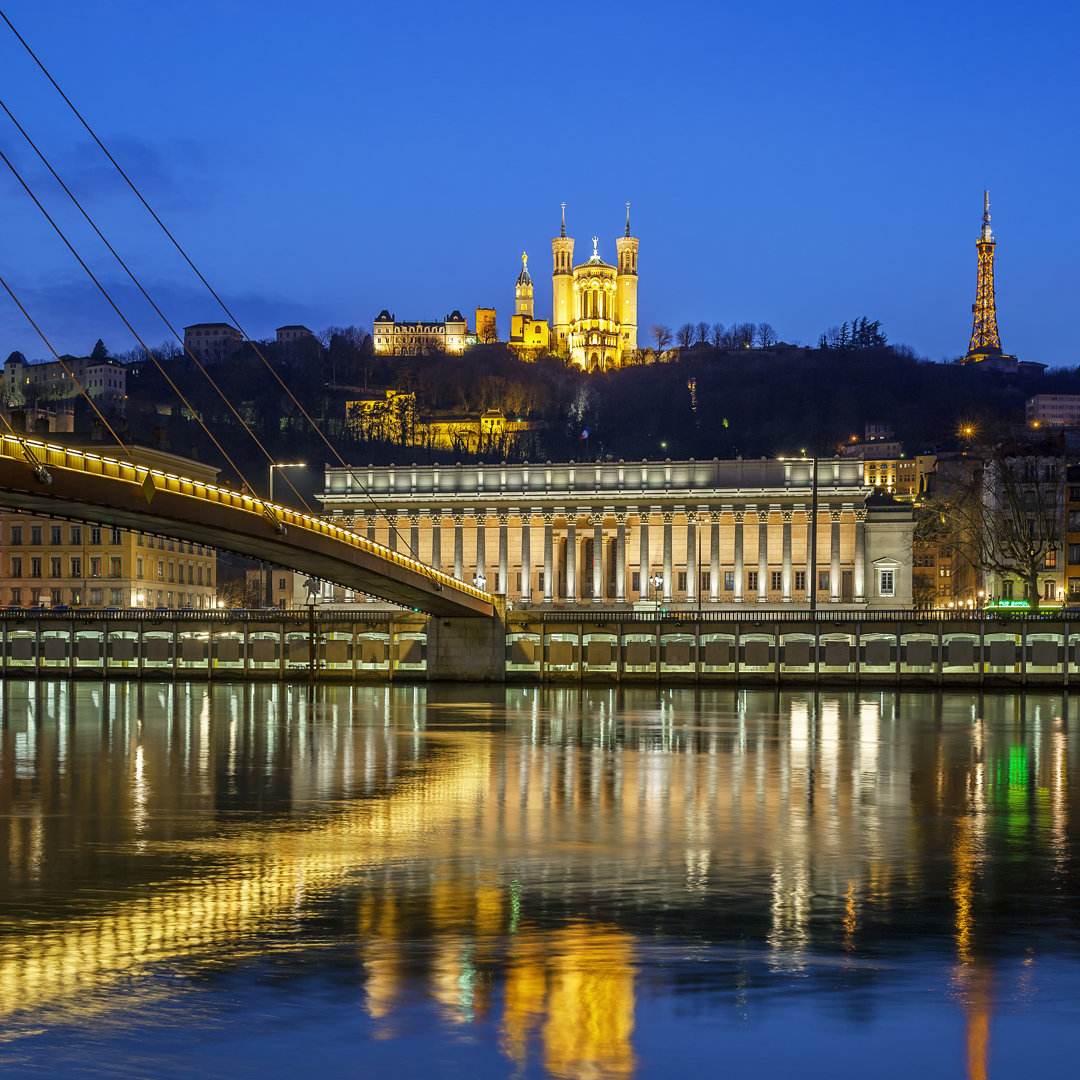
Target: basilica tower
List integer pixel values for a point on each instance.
(523, 290)
(626, 291)
(562, 287)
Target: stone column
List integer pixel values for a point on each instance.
(785, 574)
(834, 557)
(436, 539)
(481, 551)
(414, 535)
(504, 555)
(526, 557)
(762, 556)
(459, 546)
(860, 556)
(391, 531)
(549, 583)
(668, 517)
(691, 558)
(644, 557)
(598, 559)
(714, 556)
(571, 559)
(620, 558)
(738, 555)
(811, 561)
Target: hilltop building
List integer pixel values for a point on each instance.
(103, 379)
(528, 335)
(393, 338)
(212, 342)
(594, 304)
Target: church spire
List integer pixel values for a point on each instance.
(563, 233)
(627, 219)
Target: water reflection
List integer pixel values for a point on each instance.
(552, 870)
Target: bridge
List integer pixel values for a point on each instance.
(60, 482)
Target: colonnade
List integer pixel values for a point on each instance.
(731, 554)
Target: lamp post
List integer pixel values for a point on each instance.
(657, 582)
(270, 498)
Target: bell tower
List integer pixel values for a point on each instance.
(626, 291)
(523, 290)
(562, 286)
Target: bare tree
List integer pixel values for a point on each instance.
(685, 335)
(662, 336)
(702, 333)
(716, 335)
(1009, 518)
(766, 336)
(743, 335)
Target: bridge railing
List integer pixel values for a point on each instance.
(62, 457)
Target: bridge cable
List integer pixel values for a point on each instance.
(352, 474)
(38, 467)
(146, 295)
(104, 292)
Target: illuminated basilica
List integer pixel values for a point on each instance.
(593, 305)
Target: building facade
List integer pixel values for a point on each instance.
(719, 533)
(594, 304)
(104, 381)
(1053, 410)
(47, 562)
(211, 343)
(392, 338)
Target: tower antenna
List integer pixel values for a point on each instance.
(563, 233)
(627, 219)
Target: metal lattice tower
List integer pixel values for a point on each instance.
(984, 333)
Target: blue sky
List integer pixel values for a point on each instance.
(800, 164)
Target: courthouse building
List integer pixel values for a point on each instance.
(710, 533)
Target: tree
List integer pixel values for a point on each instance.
(1008, 519)
(766, 336)
(685, 336)
(662, 336)
(702, 334)
(99, 353)
(716, 335)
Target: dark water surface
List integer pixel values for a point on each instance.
(242, 881)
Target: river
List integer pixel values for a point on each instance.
(264, 880)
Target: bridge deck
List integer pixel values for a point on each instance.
(89, 487)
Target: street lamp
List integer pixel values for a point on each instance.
(269, 570)
(657, 582)
(283, 465)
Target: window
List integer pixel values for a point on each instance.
(115, 566)
(16, 596)
(1074, 494)
(57, 596)
(635, 581)
(190, 574)
(139, 567)
(1051, 560)
(751, 580)
(729, 580)
(115, 539)
(777, 580)
(1049, 589)
(161, 543)
(76, 566)
(885, 583)
(281, 582)
(16, 566)
(539, 579)
(199, 575)
(703, 582)
(1006, 590)
(681, 587)
(115, 597)
(16, 535)
(95, 535)
(95, 598)
(35, 535)
(139, 539)
(35, 566)
(172, 571)
(56, 535)
(76, 534)
(161, 570)
(172, 545)
(800, 580)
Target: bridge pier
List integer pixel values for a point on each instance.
(468, 650)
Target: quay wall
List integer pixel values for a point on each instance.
(591, 645)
